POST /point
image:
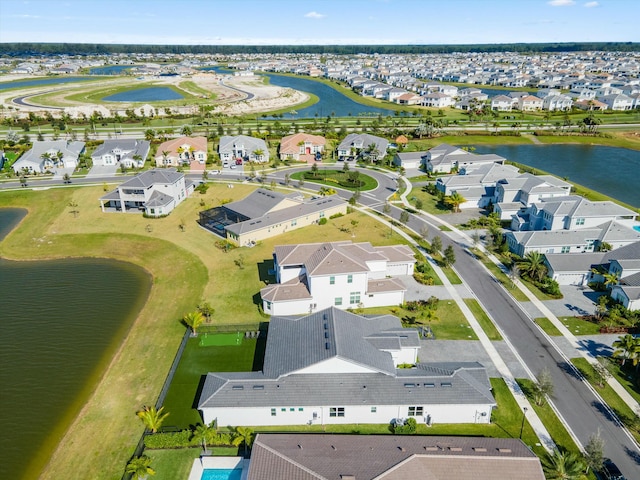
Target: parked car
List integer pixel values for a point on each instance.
(214, 172)
(225, 165)
(610, 471)
(233, 166)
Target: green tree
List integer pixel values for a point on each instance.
(66, 178)
(404, 217)
(543, 387)
(436, 245)
(314, 170)
(449, 257)
(454, 201)
(533, 265)
(611, 279)
(345, 166)
(205, 434)
(562, 465)
(287, 179)
(387, 208)
(594, 452)
(206, 309)
(186, 130)
(243, 436)
(419, 204)
(628, 348)
(152, 417)
(193, 320)
(140, 468)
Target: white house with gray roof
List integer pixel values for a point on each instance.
(333, 367)
(244, 148)
(131, 153)
(47, 155)
(315, 276)
(362, 145)
(155, 192)
(265, 213)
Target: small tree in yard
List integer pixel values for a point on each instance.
(594, 452)
(206, 309)
(562, 465)
(600, 374)
(193, 320)
(140, 468)
(424, 232)
(449, 256)
(404, 217)
(387, 208)
(419, 204)
(543, 387)
(152, 417)
(436, 245)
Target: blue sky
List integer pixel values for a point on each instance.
(266, 22)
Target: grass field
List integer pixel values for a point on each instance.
(483, 319)
(336, 179)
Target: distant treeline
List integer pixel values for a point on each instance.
(25, 49)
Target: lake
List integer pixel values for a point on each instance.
(110, 69)
(61, 322)
(612, 171)
(151, 94)
(42, 81)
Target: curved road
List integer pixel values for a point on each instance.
(576, 402)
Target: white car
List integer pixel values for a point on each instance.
(214, 172)
(225, 165)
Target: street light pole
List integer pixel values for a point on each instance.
(524, 416)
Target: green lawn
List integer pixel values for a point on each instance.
(196, 361)
(450, 323)
(175, 464)
(627, 375)
(578, 326)
(503, 278)
(548, 327)
(621, 409)
(483, 319)
(556, 429)
(336, 179)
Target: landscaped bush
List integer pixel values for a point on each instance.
(322, 221)
(409, 427)
(336, 215)
(423, 278)
(181, 439)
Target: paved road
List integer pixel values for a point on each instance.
(575, 401)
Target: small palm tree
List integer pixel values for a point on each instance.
(243, 436)
(563, 465)
(205, 434)
(628, 348)
(533, 265)
(611, 279)
(152, 417)
(455, 200)
(140, 467)
(194, 320)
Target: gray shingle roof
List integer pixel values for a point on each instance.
(251, 144)
(369, 457)
(364, 139)
(151, 177)
(572, 263)
(259, 202)
(134, 146)
(158, 199)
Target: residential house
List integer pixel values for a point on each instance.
(516, 196)
(502, 103)
(131, 153)
(243, 148)
(362, 145)
(408, 99)
(628, 296)
(390, 457)
(182, 152)
(264, 214)
(529, 103)
(342, 274)
(155, 192)
(437, 100)
(591, 105)
(302, 147)
(618, 102)
(336, 367)
(557, 102)
(47, 155)
(409, 160)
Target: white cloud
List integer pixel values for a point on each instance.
(561, 3)
(591, 4)
(314, 15)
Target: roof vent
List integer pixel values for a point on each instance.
(431, 448)
(327, 346)
(333, 447)
(504, 450)
(455, 449)
(326, 334)
(402, 449)
(479, 449)
(300, 446)
(347, 477)
(326, 326)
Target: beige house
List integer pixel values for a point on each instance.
(302, 147)
(265, 213)
(183, 152)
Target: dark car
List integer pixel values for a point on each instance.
(610, 471)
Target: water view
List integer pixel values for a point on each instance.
(608, 170)
(42, 81)
(109, 69)
(60, 324)
(151, 94)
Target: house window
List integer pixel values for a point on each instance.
(273, 412)
(579, 221)
(416, 411)
(321, 214)
(349, 278)
(292, 409)
(338, 301)
(332, 280)
(336, 412)
(354, 298)
(268, 304)
(374, 409)
(294, 223)
(300, 409)
(283, 409)
(565, 249)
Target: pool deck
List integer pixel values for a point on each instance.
(226, 463)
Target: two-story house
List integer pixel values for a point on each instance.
(342, 274)
(131, 153)
(242, 148)
(155, 192)
(302, 147)
(362, 145)
(183, 152)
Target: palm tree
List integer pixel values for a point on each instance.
(533, 265)
(140, 467)
(628, 348)
(562, 465)
(243, 436)
(165, 156)
(152, 417)
(258, 154)
(455, 200)
(194, 320)
(205, 434)
(611, 279)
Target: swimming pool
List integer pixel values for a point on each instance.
(221, 474)
(637, 228)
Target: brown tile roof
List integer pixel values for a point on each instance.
(171, 146)
(385, 285)
(289, 144)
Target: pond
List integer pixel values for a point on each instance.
(110, 69)
(608, 170)
(42, 81)
(150, 94)
(61, 322)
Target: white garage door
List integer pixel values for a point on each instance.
(570, 278)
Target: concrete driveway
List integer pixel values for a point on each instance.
(576, 302)
(417, 291)
(103, 171)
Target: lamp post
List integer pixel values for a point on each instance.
(524, 416)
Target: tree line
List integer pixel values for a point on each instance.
(32, 48)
